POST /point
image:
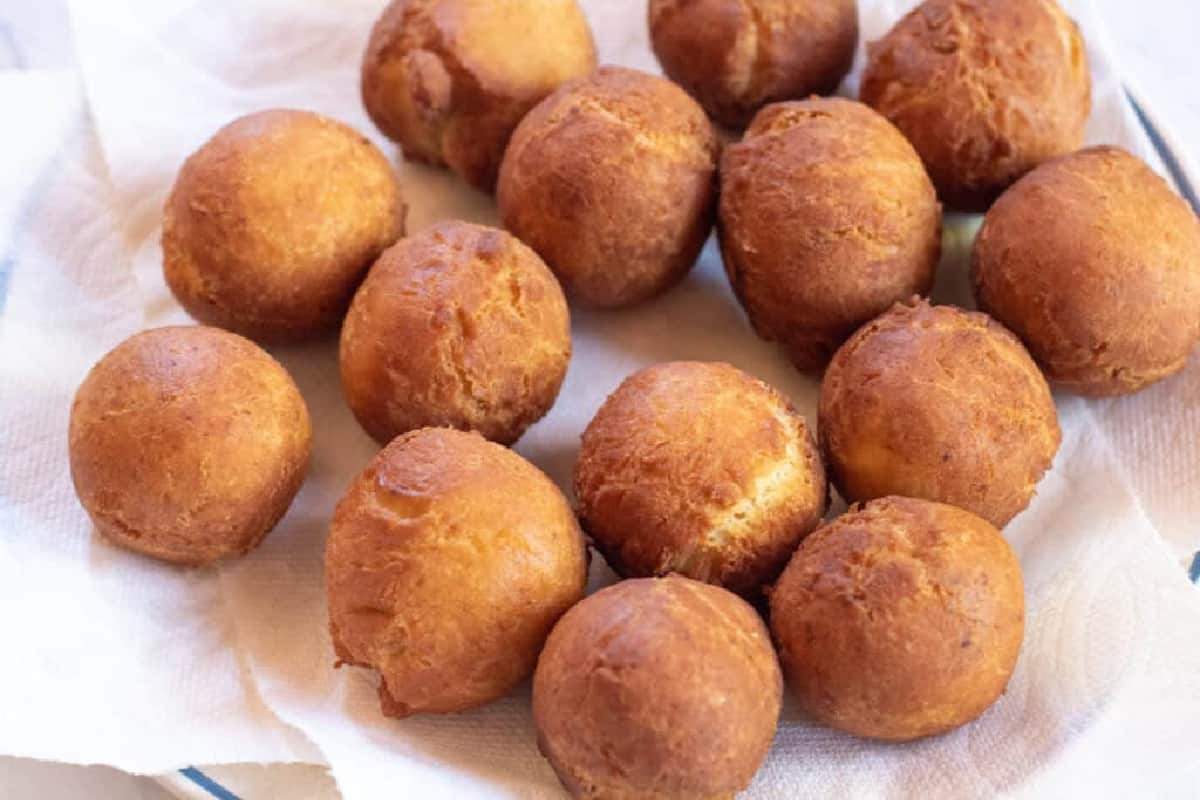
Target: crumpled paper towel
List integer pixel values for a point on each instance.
(116, 659)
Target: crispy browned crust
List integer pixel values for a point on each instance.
(188, 444)
(657, 689)
(984, 89)
(450, 79)
(460, 326)
(449, 560)
(735, 56)
(272, 224)
(698, 468)
(612, 179)
(826, 219)
(900, 619)
(937, 403)
(1095, 263)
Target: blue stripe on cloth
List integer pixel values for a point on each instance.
(1194, 572)
(208, 784)
(1169, 159)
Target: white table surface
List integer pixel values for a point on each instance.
(1153, 43)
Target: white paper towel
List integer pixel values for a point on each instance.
(119, 660)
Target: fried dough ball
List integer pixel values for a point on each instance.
(272, 224)
(698, 468)
(938, 403)
(612, 179)
(900, 619)
(1095, 263)
(188, 444)
(735, 56)
(449, 560)
(450, 79)
(656, 689)
(826, 219)
(984, 89)
(460, 326)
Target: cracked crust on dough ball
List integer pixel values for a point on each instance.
(899, 619)
(450, 79)
(698, 468)
(612, 179)
(188, 444)
(1095, 263)
(657, 688)
(461, 326)
(449, 560)
(826, 219)
(937, 403)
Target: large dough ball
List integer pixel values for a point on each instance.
(700, 469)
(272, 224)
(1095, 263)
(657, 689)
(827, 218)
(938, 403)
(460, 326)
(735, 56)
(612, 179)
(900, 619)
(984, 89)
(449, 560)
(188, 444)
(450, 79)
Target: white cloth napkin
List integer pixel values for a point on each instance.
(116, 659)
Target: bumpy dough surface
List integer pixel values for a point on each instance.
(826, 219)
(188, 444)
(450, 79)
(900, 619)
(657, 689)
(984, 89)
(1095, 263)
(938, 403)
(272, 224)
(735, 56)
(698, 468)
(449, 560)
(612, 179)
(459, 326)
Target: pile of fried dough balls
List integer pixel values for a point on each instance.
(455, 569)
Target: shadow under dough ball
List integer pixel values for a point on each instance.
(700, 469)
(272, 224)
(900, 619)
(188, 444)
(450, 79)
(826, 219)
(612, 180)
(735, 56)
(937, 403)
(657, 689)
(1095, 263)
(984, 89)
(461, 326)
(449, 560)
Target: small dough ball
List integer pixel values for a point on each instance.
(449, 560)
(450, 79)
(984, 89)
(938, 403)
(612, 179)
(827, 218)
(273, 223)
(735, 56)
(460, 326)
(698, 468)
(1095, 263)
(188, 444)
(656, 689)
(900, 619)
